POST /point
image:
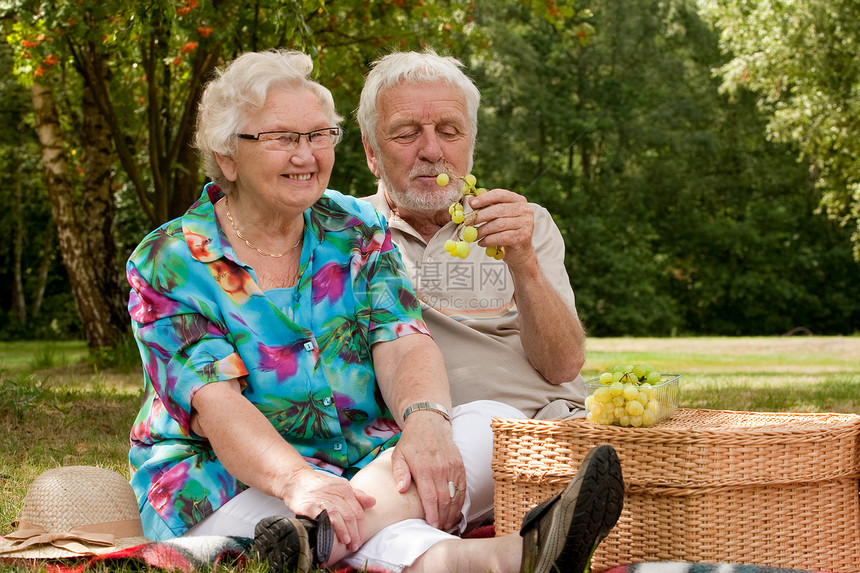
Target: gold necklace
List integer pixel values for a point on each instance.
(247, 242)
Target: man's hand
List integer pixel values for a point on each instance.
(509, 222)
(505, 219)
(410, 369)
(427, 456)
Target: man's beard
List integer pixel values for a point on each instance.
(418, 201)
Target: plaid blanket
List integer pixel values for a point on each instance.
(194, 554)
(184, 555)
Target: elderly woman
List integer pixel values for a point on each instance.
(285, 355)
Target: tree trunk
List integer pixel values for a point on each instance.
(186, 177)
(19, 303)
(93, 308)
(186, 180)
(44, 268)
(99, 208)
(172, 160)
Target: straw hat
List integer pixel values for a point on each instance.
(75, 511)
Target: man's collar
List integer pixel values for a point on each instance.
(381, 202)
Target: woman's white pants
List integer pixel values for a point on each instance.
(398, 545)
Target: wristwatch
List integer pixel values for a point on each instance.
(432, 406)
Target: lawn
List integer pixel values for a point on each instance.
(769, 374)
(56, 408)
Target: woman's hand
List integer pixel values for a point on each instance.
(427, 456)
(253, 452)
(308, 492)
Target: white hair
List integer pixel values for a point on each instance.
(413, 68)
(239, 91)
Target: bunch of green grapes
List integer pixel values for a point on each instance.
(626, 396)
(466, 232)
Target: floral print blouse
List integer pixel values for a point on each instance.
(302, 354)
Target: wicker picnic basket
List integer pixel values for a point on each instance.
(778, 489)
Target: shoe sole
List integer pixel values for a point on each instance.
(324, 537)
(283, 543)
(584, 515)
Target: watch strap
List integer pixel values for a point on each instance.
(431, 406)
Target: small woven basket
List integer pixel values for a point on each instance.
(778, 489)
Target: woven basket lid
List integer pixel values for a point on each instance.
(75, 511)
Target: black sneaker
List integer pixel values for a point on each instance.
(283, 542)
(561, 534)
(293, 544)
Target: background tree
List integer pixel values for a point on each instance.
(117, 82)
(679, 215)
(34, 286)
(680, 209)
(801, 60)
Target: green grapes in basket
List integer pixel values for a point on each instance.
(632, 395)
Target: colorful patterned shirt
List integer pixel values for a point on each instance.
(199, 316)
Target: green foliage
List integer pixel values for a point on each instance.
(801, 58)
(125, 357)
(142, 65)
(27, 239)
(678, 214)
(155, 56)
(681, 210)
(349, 36)
(57, 319)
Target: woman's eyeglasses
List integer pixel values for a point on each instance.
(288, 140)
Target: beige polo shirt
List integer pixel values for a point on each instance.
(468, 305)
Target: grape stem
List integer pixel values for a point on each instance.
(469, 214)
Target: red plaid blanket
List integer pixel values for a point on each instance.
(184, 555)
(193, 554)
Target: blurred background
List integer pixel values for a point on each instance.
(700, 158)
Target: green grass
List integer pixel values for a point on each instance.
(798, 374)
(18, 357)
(57, 408)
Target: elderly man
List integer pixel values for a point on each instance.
(508, 329)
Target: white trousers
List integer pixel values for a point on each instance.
(398, 545)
